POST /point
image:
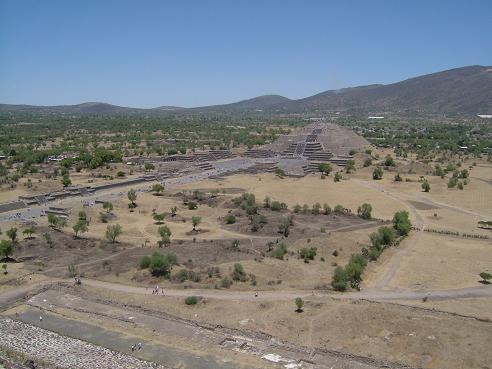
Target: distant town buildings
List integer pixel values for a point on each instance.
(65, 155)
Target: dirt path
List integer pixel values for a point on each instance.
(479, 291)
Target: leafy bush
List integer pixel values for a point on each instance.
(401, 222)
(279, 251)
(364, 211)
(308, 253)
(339, 209)
(145, 262)
(191, 300)
(275, 206)
(377, 174)
(339, 280)
(225, 282)
(299, 304)
(158, 264)
(230, 219)
(238, 273)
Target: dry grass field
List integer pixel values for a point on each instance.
(414, 331)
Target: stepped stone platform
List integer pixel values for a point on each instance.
(320, 136)
(259, 153)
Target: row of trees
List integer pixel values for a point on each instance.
(384, 237)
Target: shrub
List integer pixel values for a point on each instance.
(238, 273)
(275, 206)
(339, 280)
(426, 186)
(367, 163)
(230, 219)
(401, 222)
(192, 205)
(452, 182)
(195, 220)
(339, 209)
(145, 262)
(325, 168)
(374, 253)
(389, 161)
(316, 208)
(297, 208)
(364, 211)
(337, 177)
(299, 304)
(112, 232)
(308, 253)
(326, 209)
(353, 272)
(279, 251)
(485, 277)
(225, 282)
(377, 174)
(191, 300)
(398, 178)
(159, 264)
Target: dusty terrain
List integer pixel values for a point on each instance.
(419, 301)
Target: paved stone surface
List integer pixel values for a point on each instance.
(62, 351)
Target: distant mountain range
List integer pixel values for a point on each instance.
(466, 90)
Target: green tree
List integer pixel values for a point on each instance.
(325, 168)
(364, 211)
(108, 207)
(56, 221)
(158, 217)
(377, 174)
(275, 206)
(401, 222)
(230, 219)
(191, 300)
(426, 186)
(485, 277)
(316, 208)
(66, 180)
(196, 220)
(157, 188)
(12, 234)
(238, 273)
(6, 248)
(299, 304)
(165, 234)
(161, 265)
(132, 196)
(389, 161)
(80, 227)
(174, 209)
(112, 232)
(267, 203)
(350, 167)
(48, 239)
(339, 280)
(452, 182)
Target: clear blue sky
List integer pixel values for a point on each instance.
(192, 53)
